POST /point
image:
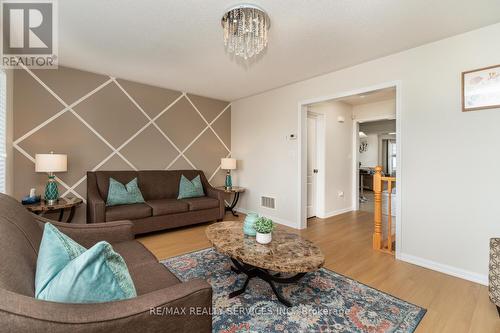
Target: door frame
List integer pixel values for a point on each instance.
(320, 163)
(302, 151)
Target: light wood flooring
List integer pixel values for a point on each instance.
(453, 305)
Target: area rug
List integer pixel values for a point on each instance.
(324, 301)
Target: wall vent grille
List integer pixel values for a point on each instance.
(268, 202)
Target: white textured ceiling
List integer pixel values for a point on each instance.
(178, 43)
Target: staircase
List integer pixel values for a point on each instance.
(383, 237)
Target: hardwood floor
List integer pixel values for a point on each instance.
(453, 305)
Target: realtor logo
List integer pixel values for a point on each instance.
(29, 34)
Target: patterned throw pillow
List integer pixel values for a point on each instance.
(190, 188)
(119, 194)
(67, 272)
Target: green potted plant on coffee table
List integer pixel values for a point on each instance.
(263, 227)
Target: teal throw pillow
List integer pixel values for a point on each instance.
(190, 188)
(119, 194)
(67, 272)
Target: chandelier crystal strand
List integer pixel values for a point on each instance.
(245, 30)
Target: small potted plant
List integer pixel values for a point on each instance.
(263, 227)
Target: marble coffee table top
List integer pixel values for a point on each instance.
(287, 252)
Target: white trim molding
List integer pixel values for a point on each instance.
(335, 213)
(443, 268)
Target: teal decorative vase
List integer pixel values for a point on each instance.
(249, 223)
(51, 192)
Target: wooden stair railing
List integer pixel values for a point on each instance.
(379, 243)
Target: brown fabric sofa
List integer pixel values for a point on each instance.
(157, 288)
(160, 189)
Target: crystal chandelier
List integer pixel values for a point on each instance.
(245, 30)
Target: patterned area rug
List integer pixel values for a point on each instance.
(324, 301)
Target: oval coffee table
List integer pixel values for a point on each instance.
(285, 260)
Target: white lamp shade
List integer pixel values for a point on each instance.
(228, 163)
(51, 163)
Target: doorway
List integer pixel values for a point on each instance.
(392, 153)
(377, 146)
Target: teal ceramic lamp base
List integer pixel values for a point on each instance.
(51, 191)
(229, 181)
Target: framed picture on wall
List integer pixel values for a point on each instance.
(481, 89)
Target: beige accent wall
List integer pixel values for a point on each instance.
(104, 123)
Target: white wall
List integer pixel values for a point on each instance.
(377, 110)
(448, 192)
(338, 157)
(369, 158)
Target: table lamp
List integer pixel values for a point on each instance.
(51, 163)
(228, 164)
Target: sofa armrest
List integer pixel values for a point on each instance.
(96, 207)
(89, 234)
(212, 192)
(184, 307)
(494, 271)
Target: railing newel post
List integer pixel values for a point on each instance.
(377, 191)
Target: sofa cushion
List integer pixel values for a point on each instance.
(201, 203)
(151, 277)
(128, 212)
(155, 184)
(134, 253)
(167, 206)
(140, 260)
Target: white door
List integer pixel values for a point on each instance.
(311, 164)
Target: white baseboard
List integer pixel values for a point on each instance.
(446, 269)
(275, 219)
(335, 213)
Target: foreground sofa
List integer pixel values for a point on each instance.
(160, 189)
(157, 288)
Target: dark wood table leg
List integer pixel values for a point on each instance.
(230, 208)
(61, 215)
(242, 289)
(278, 295)
(71, 214)
(251, 272)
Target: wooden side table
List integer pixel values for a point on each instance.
(62, 204)
(236, 190)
